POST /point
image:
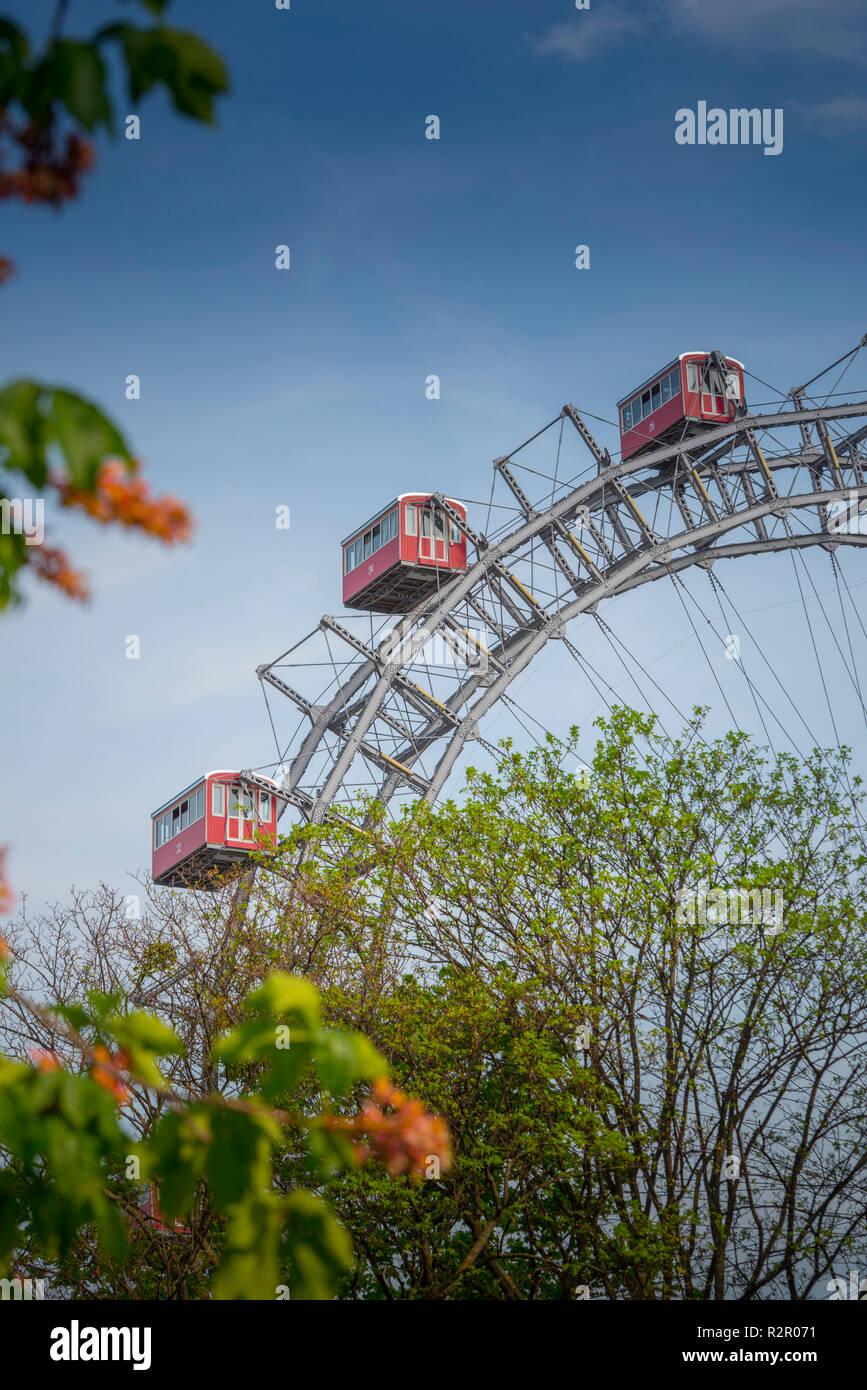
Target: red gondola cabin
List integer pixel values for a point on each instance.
(697, 390)
(150, 1208)
(208, 830)
(402, 554)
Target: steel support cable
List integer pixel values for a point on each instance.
(851, 599)
(554, 482)
(373, 709)
(657, 457)
(752, 689)
(425, 664)
(352, 661)
(642, 691)
(535, 436)
(834, 570)
(518, 710)
(490, 748)
(294, 734)
(770, 708)
(779, 394)
(289, 650)
(833, 391)
(582, 661)
(611, 637)
(603, 419)
(548, 477)
(827, 396)
(678, 585)
(845, 771)
(830, 627)
(491, 503)
(569, 748)
(578, 656)
(614, 692)
(499, 506)
(418, 752)
(851, 353)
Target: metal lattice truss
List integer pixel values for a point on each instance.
(386, 706)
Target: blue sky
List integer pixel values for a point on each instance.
(409, 257)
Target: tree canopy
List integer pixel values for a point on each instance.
(637, 1000)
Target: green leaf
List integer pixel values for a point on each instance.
(145, 1037)
(285, 1072)
(33, 416)
(249, 1042)
(318, 1248)
(72, 1099)
(256, 1041)
(14, 50)
(147, 1031)
(78, 78)
(239, 1160)
(104, 1004)
(74, 1014)
(86, 437)
(287, 994)
(191, 71)
(111, 1230)
(250, 1266)
(14, 39)
(341, 1059)
(13, 556)
(176, 1156)
(24, 430)
(330, 1152)
(11, 1072)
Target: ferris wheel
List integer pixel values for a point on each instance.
(445, 614)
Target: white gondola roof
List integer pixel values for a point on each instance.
(215, 772)
(697, 352)
(383, 511)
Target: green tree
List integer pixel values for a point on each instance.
(654, 1089)
(655, 1085)
(83, 1198)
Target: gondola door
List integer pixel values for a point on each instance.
(433, 535)
(712, 392)
(242, 823)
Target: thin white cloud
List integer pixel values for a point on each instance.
(834, 29)
(590, 33)
(839, 116)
